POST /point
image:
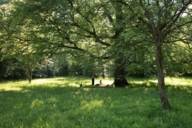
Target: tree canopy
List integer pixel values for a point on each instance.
(142, 37)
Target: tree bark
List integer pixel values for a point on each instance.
(161, 77)
(103, 71)
(29, 73)
(30, 78)
(93, 79)
(120, 82)
(120, 62)
(120, 73)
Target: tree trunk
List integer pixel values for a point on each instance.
(120, 61)
(161, 78)
(120, 81)
(29, 74)
(103, 71)
(120, 73)
(93, 80)
(30, 78)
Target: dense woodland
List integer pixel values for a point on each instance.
(96, 38)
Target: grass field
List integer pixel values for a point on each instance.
(60, 103)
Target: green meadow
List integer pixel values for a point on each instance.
(61, 103)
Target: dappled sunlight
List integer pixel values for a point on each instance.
(77, 81)
(12, 85)
(10, 88)
(170, 81)
(55, 81)
(95, 63)
(148, 82)
(86, 89)
(36, 104)
(91, 105)
(106, 81)
(55, 106)
(179, 81)
(45, 82)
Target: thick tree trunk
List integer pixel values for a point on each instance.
(120, 61)
(120, 73)
(161, 78)
(120, 81)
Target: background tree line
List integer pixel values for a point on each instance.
(129, 37)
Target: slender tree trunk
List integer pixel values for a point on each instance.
(93, 79)
(161, 78)
(103, 71)
(29, 73)
(30, 77)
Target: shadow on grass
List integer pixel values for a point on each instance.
(135, 107)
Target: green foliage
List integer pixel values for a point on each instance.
(92, 30)
(11, 69)
(178, 59)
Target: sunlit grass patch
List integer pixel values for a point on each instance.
(171, 81)
(77, 81)
(36, 103)
(48, 82)
(91, 105)
(13, 85)
(61, 81)
(179, 81)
